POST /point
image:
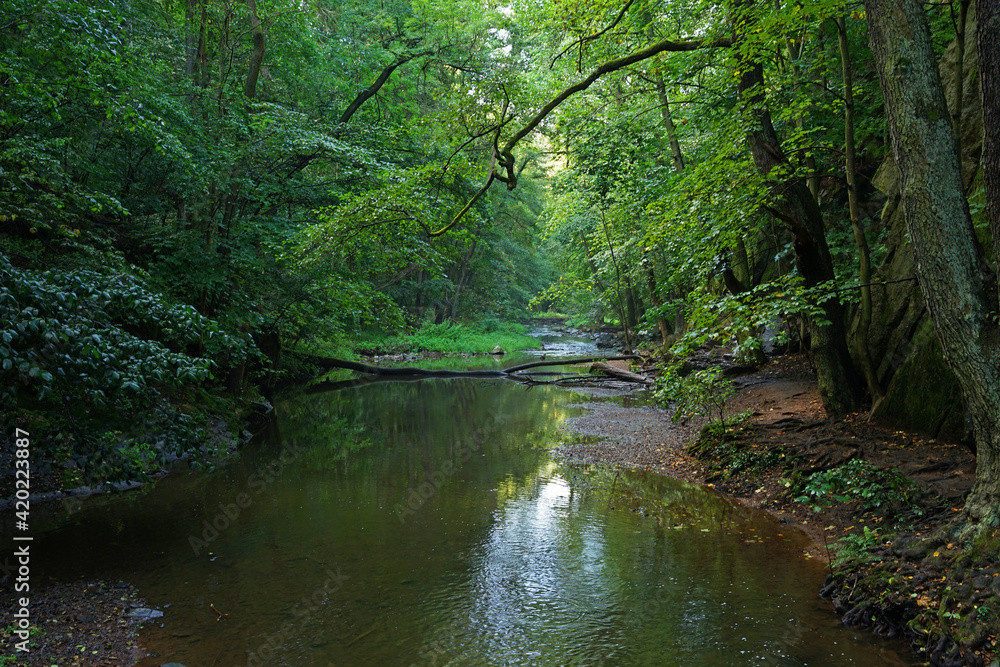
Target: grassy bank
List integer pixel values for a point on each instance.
(451, 338)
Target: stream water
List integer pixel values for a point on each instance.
(425, 523)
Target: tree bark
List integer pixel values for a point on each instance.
(627, 376)
(668, 123)
(860, 239)
(949, 267)
(257, 54)
(988, 31)
(796, 207)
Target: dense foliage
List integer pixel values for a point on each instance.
(188, 188)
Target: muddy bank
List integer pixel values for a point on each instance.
(898, 564)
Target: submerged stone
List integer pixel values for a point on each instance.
(144, 614)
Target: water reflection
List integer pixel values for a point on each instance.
(561, 579)
(425, 523)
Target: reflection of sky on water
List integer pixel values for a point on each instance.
(560, 579)
(538, 583)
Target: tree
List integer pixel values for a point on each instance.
(957, 283)
(789, 199)
(796, 206)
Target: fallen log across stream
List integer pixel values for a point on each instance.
(513, 372)
(621, 374)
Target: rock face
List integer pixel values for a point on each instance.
(921, 391)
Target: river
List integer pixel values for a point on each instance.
(426, 523)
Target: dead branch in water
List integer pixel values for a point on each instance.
(513, 372)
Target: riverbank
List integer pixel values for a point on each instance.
(897, 563)
(92, 623)
(902, 576)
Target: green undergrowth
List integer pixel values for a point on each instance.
(872, 487)
(108, 376)
(337, 349)
(856, 548)
(452, 338)
(730, 452)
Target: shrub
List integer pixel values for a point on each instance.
(89, 359)
(858, 480)
(701, 393)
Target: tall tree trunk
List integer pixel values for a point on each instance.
(190, 38)
(201, 54)
(257, 55)
(631, 303)
(463, 278)
(618, 284)
(593, 266)
(860, 239)
(656, 302)
(988, 31)
(960, 25)
(668, 124)
(677, 159)
(795, 206)
(953, 277)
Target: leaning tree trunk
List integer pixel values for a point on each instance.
(794, 205)
(953, 275)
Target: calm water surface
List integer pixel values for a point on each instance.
(425, 523)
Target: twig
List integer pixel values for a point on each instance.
(613, 484)
(221, 616)
(362, 635)
(829, 558)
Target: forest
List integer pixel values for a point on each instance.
(194, 191)
(191, 188)
(207, 204)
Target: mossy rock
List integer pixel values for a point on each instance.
(924, 394)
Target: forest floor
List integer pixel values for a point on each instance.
(903, 570)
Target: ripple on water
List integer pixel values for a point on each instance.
(461, 542)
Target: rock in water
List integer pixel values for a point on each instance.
(144, 614)
(498, 351)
